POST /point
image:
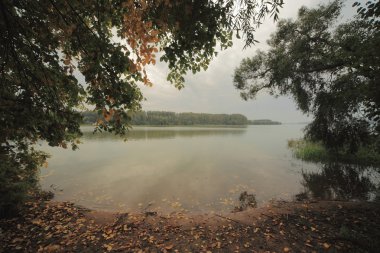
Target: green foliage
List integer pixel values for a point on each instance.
(18, 176)
(331, 71)
(57, 56)
(158, 118)
(317, 152)
(370, 12)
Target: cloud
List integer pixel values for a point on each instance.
(212, 91)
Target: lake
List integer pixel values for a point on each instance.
(169, 169)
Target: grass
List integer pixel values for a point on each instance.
(308, 151)
(316, 152)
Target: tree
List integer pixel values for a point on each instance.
(331, 70)
(369, 12)
(47, 46)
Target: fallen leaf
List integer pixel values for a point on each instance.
(16, 240)
(326, 245)
(108, 247)
(286, 249)
(37, 222)
(168, 247)
(52, 248)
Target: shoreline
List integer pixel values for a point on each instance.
(320, 226)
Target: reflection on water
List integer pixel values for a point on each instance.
(337, 181)
(148, 133)
(189, 169)
(176, 168)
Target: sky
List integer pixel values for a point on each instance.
(212, 91)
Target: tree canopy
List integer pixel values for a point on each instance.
(330, 68)
(57, 56)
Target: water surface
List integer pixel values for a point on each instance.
(177, 168)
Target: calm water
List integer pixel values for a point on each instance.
(177, 168)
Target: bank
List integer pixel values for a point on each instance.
(311, 226)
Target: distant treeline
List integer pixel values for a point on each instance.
(172, 118)
(263, 122)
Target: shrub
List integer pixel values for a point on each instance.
(18, 177)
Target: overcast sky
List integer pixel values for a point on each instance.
(212, 91)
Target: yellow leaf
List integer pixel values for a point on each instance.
(326, 245)
(108, 247)
(286, 249)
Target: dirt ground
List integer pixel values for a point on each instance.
(279, 227)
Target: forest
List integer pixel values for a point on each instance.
(162, 118)
(263, 122)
